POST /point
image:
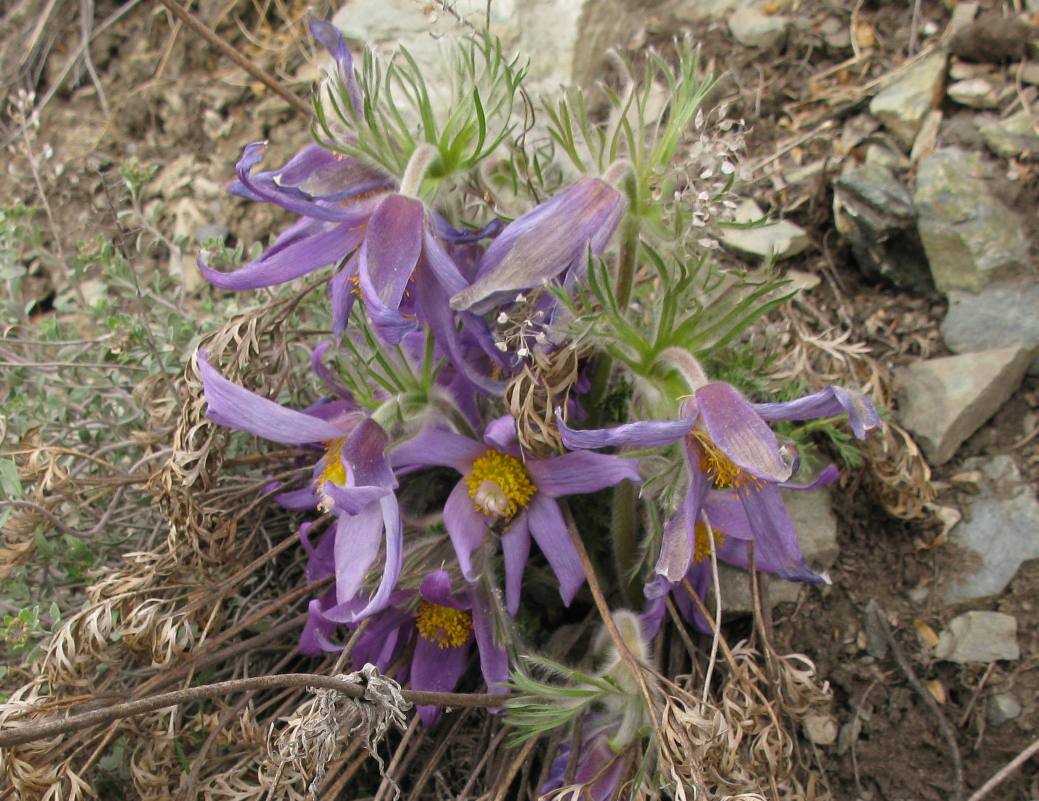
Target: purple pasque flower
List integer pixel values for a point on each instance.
(352, 477)
(732, 533)
(599, 769)
(442, 624)
(728, 445)
(541, 245)
(503, 495)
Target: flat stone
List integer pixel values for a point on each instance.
(965, 70)
(875, 213)
(943, 401)
(778, 239)
(979, 637)
(999, 533)
(816, 527)
(1030, 73)
(821, 729)
(752, 28)
(963, 14)
(927, 140)
(902, 106)
(1014, 137)
(1002, 708)
(970, 236)
(975, 93)
(1000, 315)
(880, 155)
(567, 41)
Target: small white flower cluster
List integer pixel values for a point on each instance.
(713, 166)
(521, 327)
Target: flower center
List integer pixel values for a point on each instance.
(723, 472)
(702, 548)
(334, 470)
(499, 485)
(447, 627)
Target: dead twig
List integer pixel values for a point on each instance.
(1005, 771)
(227, 50)
(943, 725)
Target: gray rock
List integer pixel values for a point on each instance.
(752, 28)
(992, 38)
(565, 40)
(1012, 138)
(876, 641)
(1000, 315)
(979, 637)
(1030, 73)
(697, 10)
(880, 155)
(927, 140)
(999, 533)
(875, 213)
(943, 401)
(821, 729)
(816, 527)
(902, 106)
(1002, 708)
(963, 14)
(779, 239)
(970, 236)
(975, 93)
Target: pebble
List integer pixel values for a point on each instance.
(915, 91)
(971, 237)
(780, 239)
(821, 729)
(1002, 708)
(1000, 315)
(975, 93)
(992, 39)
(752, 28)
(943, 401)
(1014, 137)
(979, 637)
(998, 534)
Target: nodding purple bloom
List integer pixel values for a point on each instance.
(546, 242)
(732, 532)
(502, 495)
(351, 478)
(599, 768)
(443, 625)
(728, 445)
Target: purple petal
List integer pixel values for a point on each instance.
(321, 559)
(357, 542)
(515, 544)
(442, 265)
(727, 516)
(776, 547)
(642, 434)
(342, 297)
(832, 401)
(315, 638)
(332, 40)
(549, 530)
(740, 433)
(354, 500)
(365, 451)
(676, 549)
(540, 245)
(392, 247)
(494, 659)
(292, 261)
(436, 588)
(433, 447)
(236, 407)
(500, 433)
(438, 670)
(466, 527)
(581, 472)
(383, 639)
(829, 474)
(298, 500)
(394, 544)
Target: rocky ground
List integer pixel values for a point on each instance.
(893, 144)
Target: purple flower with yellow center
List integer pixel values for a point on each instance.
(599, 769)
(505, 496)
(728, 445)
(550, 240)
(443, 625)
(352, 477)
(732, 533)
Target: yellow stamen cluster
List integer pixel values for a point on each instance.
(447, 627)
(702, 547)
(723, 472)
(499, 485)
(334, 469)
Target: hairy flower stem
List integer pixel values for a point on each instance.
(624, 525)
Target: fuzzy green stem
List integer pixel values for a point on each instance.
(624, 527)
